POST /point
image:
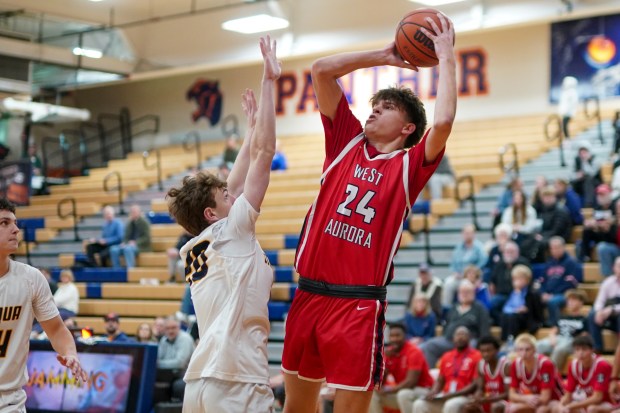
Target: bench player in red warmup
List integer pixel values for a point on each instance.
(334, 330)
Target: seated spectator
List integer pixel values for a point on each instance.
(406, 364)
(555, 218)
(606, 309)
(137, 239)
(465, 313)
(419, 320)
(48, 276)
(111, 234)
(562, 273)
(443, 177)
(523, 311)
(468, 252)
(231, 150)
(491, 390)
(568, 198)
(520, 215)
(500, 286)
(607, 240)
(457, 371)
(539, 185)
(279, 159)
(587, 382)
(505, 199)
(176, 266)
(112, 328)
(502, 234)
(159, 327)
(587, 174)
(175, 348)
(572, 323)
(427, 285)
(534, 379)
(67, 296)
(144, 334)
(474, 275)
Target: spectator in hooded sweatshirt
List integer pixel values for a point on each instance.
(562, 273)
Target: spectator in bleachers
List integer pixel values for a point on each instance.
(572, 323)
(420, 320)
(144, 334)
(406, 364)
(520, 215)
(615, 123)
(137, 239)
(470, 251)
(501, 279)
(474, 275)
(555, 218)
(502, 234)
(568, 102)
(223, 171)
(175, 348)
(443, 177)
(48, 276)
(539, 184)
(457, 371)
(37, 180)
(533, 379)
(427, 285)
(587, 383)
(569, 199)
(587, 174)
(231, 150)
(159, 326)
(608, 245)
(111, 234)
(606, 309)
(176, 266)
(467, 312)
(597, 228)
(523, 311)
(562, 273)
(505, 199)
(67, 296)
(279, 162)
(112, 328)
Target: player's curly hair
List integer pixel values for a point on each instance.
(6, 205)
(404, 99)
(187, 203)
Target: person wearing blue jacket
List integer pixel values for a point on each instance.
(112, 233)
(570, 199)
(562, 273)
(419, 320)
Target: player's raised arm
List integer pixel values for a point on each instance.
(236, 179)
(445, 104)
(263, 142)
(327, 70)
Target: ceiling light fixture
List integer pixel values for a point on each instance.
(92, 53)
(435, 3)
(255, 24)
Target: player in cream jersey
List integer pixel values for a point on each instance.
(24, 296)
(230, 277)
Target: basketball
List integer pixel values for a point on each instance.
(413, 45)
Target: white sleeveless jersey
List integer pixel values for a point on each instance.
(24, 295)
(231, 280)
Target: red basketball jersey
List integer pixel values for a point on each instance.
(494, 382)
(354, 226)
(582, 384)
(544, 376)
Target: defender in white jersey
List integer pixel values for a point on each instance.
(24, 296)
(230, 277)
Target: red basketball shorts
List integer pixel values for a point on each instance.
(339, 340)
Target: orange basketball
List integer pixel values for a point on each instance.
(413, 45)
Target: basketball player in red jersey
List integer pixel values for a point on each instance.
(491, 390)
(334, 330)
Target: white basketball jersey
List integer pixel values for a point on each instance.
(231, 282)
(24, 296)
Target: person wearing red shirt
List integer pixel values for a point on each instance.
(406, 364)
(533, 379)
(587, 382)
(457, 371)
(334, 329)
(491, 390)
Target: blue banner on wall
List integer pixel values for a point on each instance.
(587, 49)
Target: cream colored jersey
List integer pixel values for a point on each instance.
(24, 296)
(231, 282)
